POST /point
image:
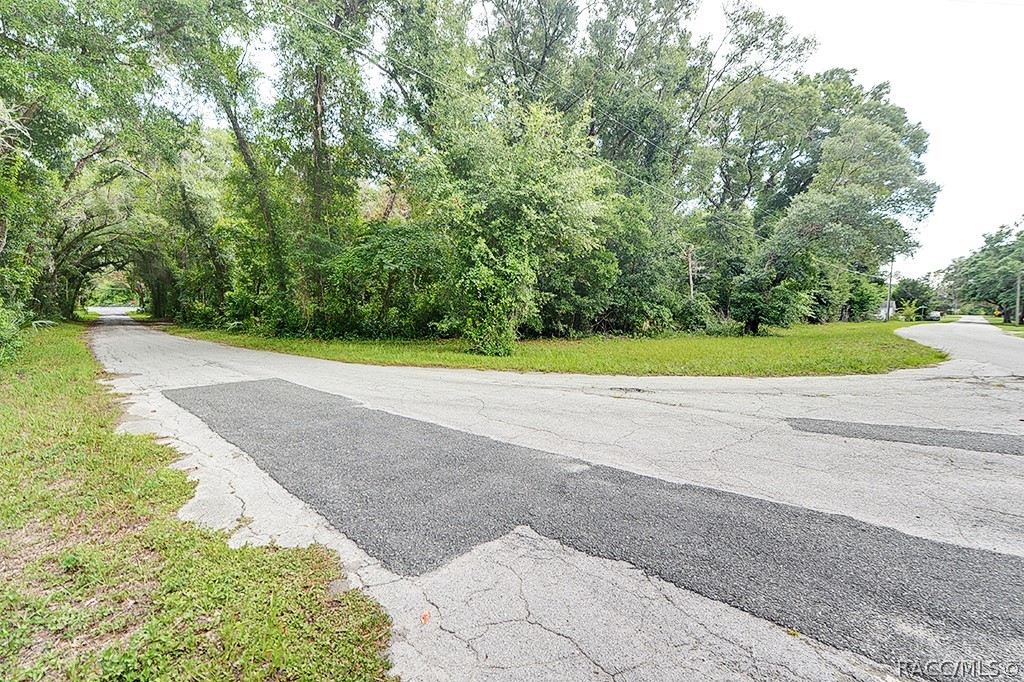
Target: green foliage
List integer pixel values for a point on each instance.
(516, 196)
(866, 178)
(764, 298)
(10, 334)
(696, 314)
(989, 275)
(561, 173)
(646, 296)
(111, 289)
(71, 78)
(573, 298)
(866, 298)
(499, 296)
(909, 310)
(101, 581)
(917, 290)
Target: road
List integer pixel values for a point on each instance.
(574, 527)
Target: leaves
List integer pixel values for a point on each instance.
(444, 167)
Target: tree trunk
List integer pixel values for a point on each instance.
(385, 301)
(689, 268)
(158, 296)
(278, 265)
(71, 294)
(220, 269)
(140, 291)
(320, 170)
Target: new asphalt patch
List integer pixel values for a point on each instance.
(977, 441)
(415, 495)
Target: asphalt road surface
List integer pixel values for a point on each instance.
(627, 528)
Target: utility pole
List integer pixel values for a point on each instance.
(689, 267)
(888, 298)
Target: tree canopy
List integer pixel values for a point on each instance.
(988, 276)
(486, 169)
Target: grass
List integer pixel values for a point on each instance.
(1008, 327)
(100, 581)
(849, 348)
(950, 318)
(997, 320)
(84, 315)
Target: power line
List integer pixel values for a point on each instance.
(485, 103)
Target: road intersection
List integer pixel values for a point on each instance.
(530, 526)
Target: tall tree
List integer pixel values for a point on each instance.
(990, 273)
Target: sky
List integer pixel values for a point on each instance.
(955, 66)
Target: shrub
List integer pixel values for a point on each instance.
(200, 314)
(909, 310)
(695, 314)
(10, 333)
(759, 298)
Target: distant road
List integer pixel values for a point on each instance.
(973, 338)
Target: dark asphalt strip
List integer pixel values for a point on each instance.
(977, 441)
(415, 495)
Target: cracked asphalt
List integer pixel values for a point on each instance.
(571, 527)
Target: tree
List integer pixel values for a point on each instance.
(72, 83)
(484, 170)
(990, 273)
(918, 290)
(867, 178)
(910, 310)
(949, 291)
(203, 44)
(515, 198)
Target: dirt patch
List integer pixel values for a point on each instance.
(106, 613)
(20, 547)
(114, 629)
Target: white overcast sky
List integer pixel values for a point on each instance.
(957, 66)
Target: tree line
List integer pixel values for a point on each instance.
(986, 280)
(483, 169)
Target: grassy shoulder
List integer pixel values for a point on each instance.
(84, 315)
(99, 580)
(849, 348)
(141, 316)
(1008, 327)
(997, 320)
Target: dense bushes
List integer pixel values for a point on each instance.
(10, 330)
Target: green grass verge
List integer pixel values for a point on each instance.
(99, 580)
(1008, 326)
(850, 348)
(83, 315)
